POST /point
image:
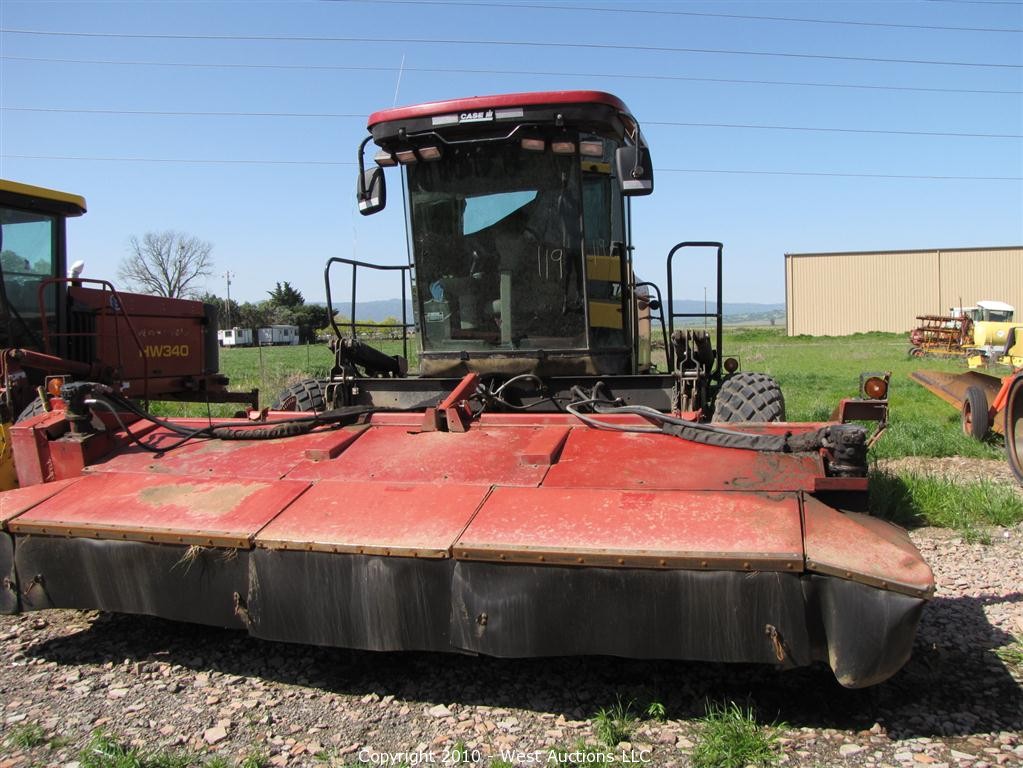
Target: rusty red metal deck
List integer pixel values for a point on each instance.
(513, 488)
(701, 530)
(390, 519)
(160, 508)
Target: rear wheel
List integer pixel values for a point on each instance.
(304, 395)
(975, 418)
(34, 408)
(1014, 426)
(749, 397)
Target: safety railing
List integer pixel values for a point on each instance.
(717, 314)
(352, 324)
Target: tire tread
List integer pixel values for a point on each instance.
(749, 397)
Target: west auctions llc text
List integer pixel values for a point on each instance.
(513, 756)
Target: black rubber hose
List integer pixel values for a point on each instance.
(271, 431)
(710, 434)
(337, 416)
(134, 438)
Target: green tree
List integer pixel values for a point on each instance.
(284, 295)
(309, 318)
(230, 314)
(12, 262)
(253, 315)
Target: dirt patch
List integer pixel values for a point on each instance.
(956, 469)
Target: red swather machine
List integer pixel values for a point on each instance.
(538, 489)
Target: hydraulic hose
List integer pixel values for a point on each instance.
(265, 430)
(846, 442)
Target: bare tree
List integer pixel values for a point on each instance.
(166, 263)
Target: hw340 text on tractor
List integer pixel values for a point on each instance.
(536, 487)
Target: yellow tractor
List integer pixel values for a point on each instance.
(985, 333)
(996, 335)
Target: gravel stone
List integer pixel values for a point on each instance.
(166, 686)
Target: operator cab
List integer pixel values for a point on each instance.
(519, 230)
(32, 250)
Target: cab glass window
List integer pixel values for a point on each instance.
(27, 257)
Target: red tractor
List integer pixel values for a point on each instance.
(56, 326)
(538, 488)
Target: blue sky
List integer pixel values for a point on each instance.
(282, 216)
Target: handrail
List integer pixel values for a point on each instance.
(115, 303)
(718, 314)
(664, 327)
(352, 325)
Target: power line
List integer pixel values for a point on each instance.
(166, 113)
(738, 171)
(516, 72)
(979, 2)
(511, 43)
(842, 175)
(886, 131)
(177, 160)
(651, 12)
(348, 115)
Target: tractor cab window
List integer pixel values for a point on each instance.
(997, 315)
(497, 238)
(27, 257)
(603, 225)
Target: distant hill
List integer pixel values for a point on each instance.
(735, 312)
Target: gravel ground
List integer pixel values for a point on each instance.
(155, 684)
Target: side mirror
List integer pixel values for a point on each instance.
(635, 171)
(371, 192)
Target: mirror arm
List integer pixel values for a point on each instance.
(638, 171)
(363, 192)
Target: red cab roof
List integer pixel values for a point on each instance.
(501, 101)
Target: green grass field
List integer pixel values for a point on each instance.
(814, 373)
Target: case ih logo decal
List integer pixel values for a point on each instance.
(476, 117)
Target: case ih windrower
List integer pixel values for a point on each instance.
(538, 489)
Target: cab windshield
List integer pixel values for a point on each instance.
(498, 238)
(27, 258)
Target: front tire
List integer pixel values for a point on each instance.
(749, 397)
(975, 417)
(304, 395)
(1014, 426)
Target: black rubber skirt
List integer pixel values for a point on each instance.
(508, 610)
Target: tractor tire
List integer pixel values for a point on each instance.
(304, 395)
(1014, 426)
(34, 408)
(749, 397)
(975, 417)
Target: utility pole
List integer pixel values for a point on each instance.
(227, 276)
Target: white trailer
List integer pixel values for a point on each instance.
(235, 337)
(274, 335)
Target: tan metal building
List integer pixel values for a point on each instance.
(835, 294)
